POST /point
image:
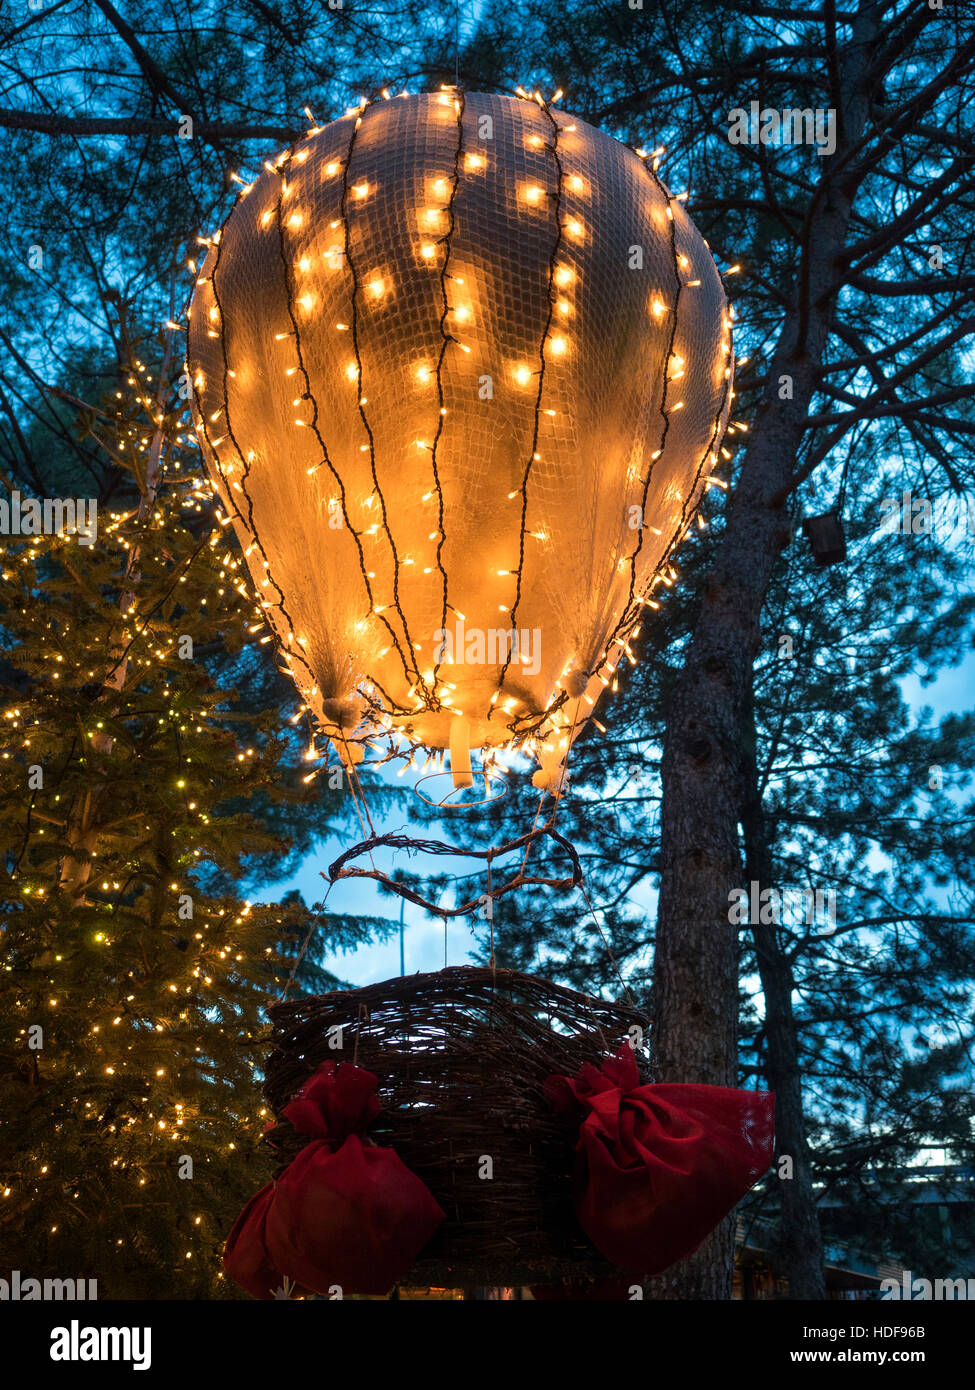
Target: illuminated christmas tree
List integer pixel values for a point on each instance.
(139, 791)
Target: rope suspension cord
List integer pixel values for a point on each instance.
(623, 985)
(304, 947)
(355, 782)
(490, 907)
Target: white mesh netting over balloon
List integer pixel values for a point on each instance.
(462, 365)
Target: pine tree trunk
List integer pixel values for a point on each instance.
(799, 1249)
(695, 990)
(799, 1253)
(707, 1274)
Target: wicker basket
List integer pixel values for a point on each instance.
(462, 1056)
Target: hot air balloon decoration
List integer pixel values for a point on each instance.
(462, 365)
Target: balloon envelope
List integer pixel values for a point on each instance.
(461, 366)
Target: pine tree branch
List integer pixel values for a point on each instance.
(901, 289)
(873, 410)
(213, 132)
(157, 80)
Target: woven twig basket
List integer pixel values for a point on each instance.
(462, 1056)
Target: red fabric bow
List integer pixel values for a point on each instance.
(343, 1213)
(658, 1166)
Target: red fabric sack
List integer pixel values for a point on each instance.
(344, 1212)
(659, 1165)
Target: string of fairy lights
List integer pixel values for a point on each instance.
(533, 455)
(429, 694)
(628, 623)
(245, 462)
(307, 394)
(446, 339)
(362, 190)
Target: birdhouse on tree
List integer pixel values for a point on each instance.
(825, 535)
